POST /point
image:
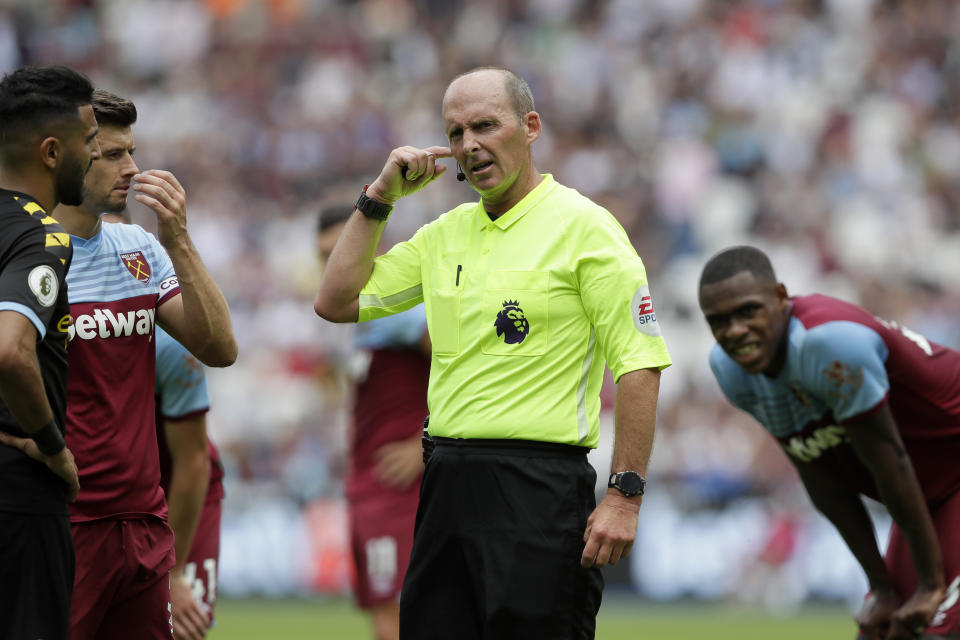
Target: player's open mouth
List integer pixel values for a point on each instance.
(480, 168)
(746, 353)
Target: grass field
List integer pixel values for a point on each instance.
(620, 619)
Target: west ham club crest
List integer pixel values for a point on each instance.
(137, 265)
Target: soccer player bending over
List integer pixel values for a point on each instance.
(861, 406)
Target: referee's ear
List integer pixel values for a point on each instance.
(532, 125)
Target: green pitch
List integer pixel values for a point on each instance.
(620, 619)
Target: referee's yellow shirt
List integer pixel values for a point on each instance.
(523, 312)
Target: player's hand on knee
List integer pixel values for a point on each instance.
(611, 529)
(189, 620)
(912, 618)
(61, 464)
(873, 618)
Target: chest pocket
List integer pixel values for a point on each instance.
(515, 319)
(443, 313)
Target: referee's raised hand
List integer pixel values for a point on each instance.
(407, 170)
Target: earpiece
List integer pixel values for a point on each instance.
(461, 176)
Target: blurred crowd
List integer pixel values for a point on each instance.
(826, 132)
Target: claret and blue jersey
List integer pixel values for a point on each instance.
(843, 363)
(119, 278)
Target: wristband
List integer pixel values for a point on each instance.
(373, 209)
(49, 439)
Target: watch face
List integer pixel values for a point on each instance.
(631, 483)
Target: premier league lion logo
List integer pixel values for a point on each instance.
(511, 323)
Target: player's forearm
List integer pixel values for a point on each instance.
(188, 490)
(348, 269)
(844, 509)
(21, 385)
(205, 309)
(901, 494)
(635, 419)
(878, 445)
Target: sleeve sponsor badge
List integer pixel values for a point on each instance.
(170, 283)
(44, 285)
(644, 315)
(843, 380)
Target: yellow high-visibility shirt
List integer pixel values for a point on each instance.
(523, 312)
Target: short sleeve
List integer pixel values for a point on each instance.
(403, 330)
(181, 385)
(730, 377)
(843, 363)
(396, 283)
(169, 284)
(616, 296)
(31, 278)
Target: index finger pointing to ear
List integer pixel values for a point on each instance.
(440, 152)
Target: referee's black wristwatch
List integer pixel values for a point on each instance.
(373, 209)
(629, 483)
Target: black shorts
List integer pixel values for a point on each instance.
(36, 576)
(497, 545)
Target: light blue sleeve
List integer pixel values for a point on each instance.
(181, 385)
(162, 265)
(730, 377)
(30, 314)
(402, 330)
(843, 363)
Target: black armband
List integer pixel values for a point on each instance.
(49, 439)
(373, 209)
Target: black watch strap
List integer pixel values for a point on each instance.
(373, 209)
(629, 483)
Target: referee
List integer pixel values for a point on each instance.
(528, 293)
(48, 138)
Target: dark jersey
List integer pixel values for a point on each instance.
(842, 363)
(35, 254)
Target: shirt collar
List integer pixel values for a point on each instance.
(91, 244)
(20, 194)
(518, 210)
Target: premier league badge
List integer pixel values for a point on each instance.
(511, 323)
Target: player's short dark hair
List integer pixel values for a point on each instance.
(521, 97)
(333, 215)
(731, 261)
(39, 97)
(112, 110)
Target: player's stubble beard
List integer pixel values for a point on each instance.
(69, 182)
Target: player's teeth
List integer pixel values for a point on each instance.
(742, 351)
